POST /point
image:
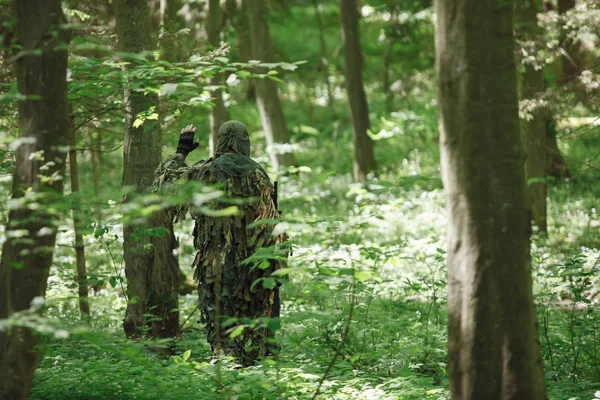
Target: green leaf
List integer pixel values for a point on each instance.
(186, 355)
(177, 359)
(168, 89)
(237, 331)
(269, 283)
(138, 122)
(288, 66)
(366, 275)
(282, 272)
(264, 264)
(274, 78)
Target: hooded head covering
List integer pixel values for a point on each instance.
(233, 150)
(233, 137)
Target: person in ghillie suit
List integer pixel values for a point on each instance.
(228, 286)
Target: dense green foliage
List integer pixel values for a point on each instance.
(364, 309)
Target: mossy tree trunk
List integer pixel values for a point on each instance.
(364, 159)
(28, 250)
(218, 113)
(150, 266)
(534, 129)
(493, 344)
(267, 96)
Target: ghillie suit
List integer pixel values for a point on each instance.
(228, 287)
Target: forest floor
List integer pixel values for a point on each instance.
(368, 257)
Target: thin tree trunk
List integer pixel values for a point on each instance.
(218, 113)
(173, 47)
(534, 130)
(557, 166)
(267, 97)
(82, 283)
(364, 159)
(95, 159)
(386, 76)
(389, 95)
(493, 350)
(148, 269)
(323, 51)
(570, 59)
(240, 21)
(28, 250)
(570, 54)
(99, 150)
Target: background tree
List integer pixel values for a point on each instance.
(557, 166)
(150, 266)
(81, 270)
(267, 96)
(364, 160)
(27, 253)
(534, 125)
(324, 67)
(492, 339)
(218, 112)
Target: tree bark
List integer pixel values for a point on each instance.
(570, 54)
(82, 283)
(557, 166)
(493, 350)
(218, 113)
(238, 13)
(267, 97)
(570, 61)
(40, 165)
(323, 51)
(148, 266)
(364, 160)
(534, 130)
(95, 156)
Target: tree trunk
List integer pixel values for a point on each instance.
(493, 344)
(218, 113)
(40, 165)
(82, 282)
(364, 160)
(570, 54)
(323, 51)
(95, 160)
(238, 13)
(534, 130)
(267, 97)
(148, 268)
(570, 60)
(389, 95)
(557, 166)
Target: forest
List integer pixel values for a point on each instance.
(300, 199)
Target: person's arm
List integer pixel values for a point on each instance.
(173, 167)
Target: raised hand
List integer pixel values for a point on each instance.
(186, 140)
